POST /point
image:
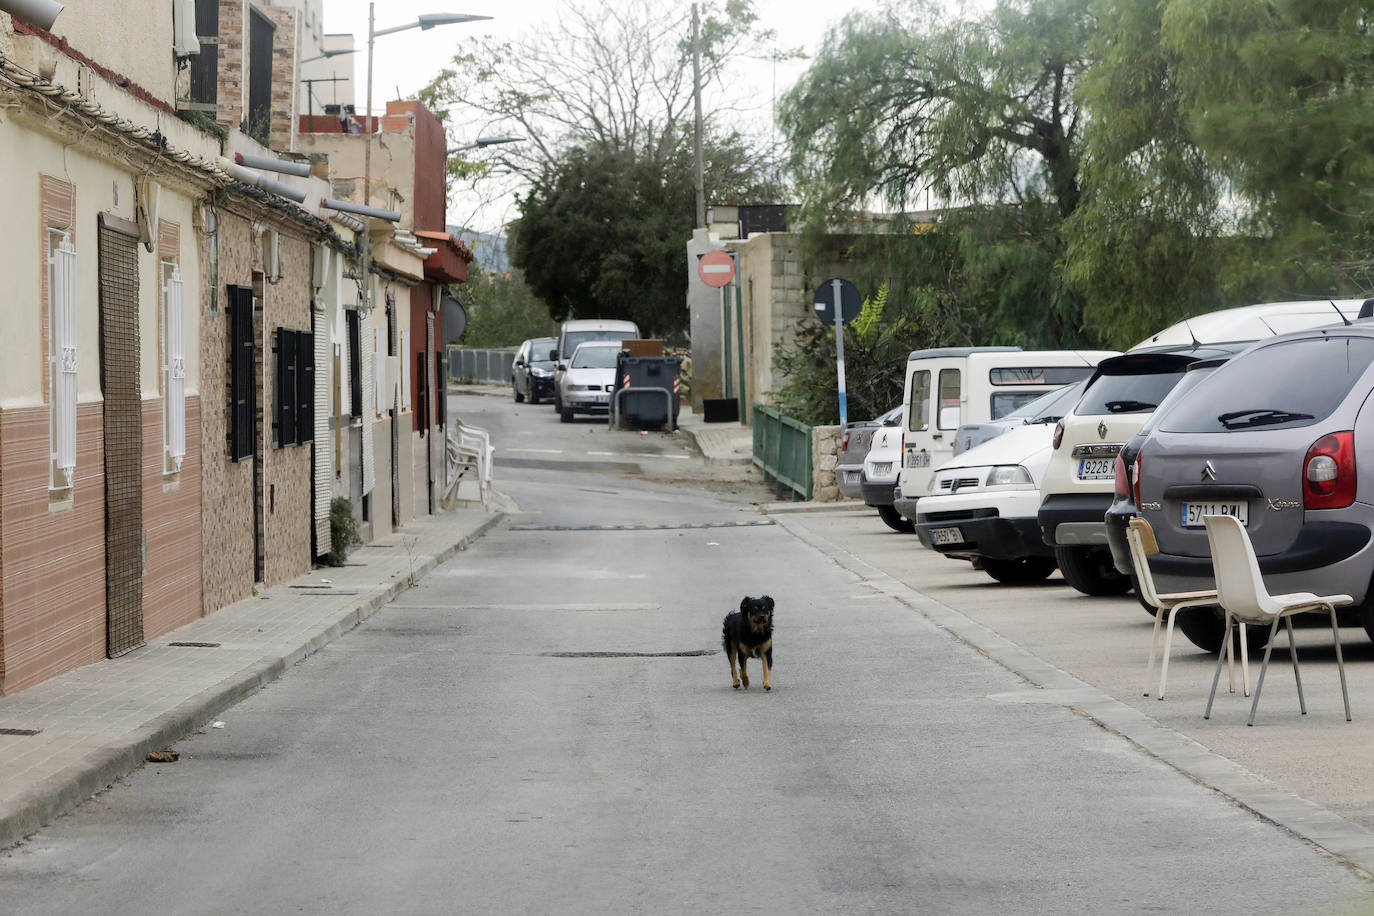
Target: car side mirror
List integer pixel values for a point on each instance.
(520, 362)
(562, 367)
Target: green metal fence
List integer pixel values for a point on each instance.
(782, 450)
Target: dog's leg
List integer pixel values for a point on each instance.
(743, 665)
(734, 676)
(766, 659)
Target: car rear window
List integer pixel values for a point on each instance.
(1137, 393)
(1285, 385)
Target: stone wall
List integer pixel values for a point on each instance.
(825, 457)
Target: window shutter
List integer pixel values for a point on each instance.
(324, 443)
(421, 400)
(175, 385)
(63, 330)
(404, 375)
(242, 394)
(285, 391)
(305, 387)
(379, 366)
(354, 362)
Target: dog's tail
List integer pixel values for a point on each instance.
(725, 634)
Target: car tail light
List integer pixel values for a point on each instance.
(1328, 472)
(844, 441)
(1119, 482)
(1058, 433)
(1135, 480)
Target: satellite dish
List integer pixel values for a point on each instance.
(455, 320)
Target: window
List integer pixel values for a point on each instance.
(205, 65)
(173, 370)
(260, 36)
(355, 364)
(1038, 375)
(61, 263)
(295, 391)
(404, 374)
(242, 391)
(948, 418)
(919, 412)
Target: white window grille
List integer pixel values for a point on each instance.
(62, 361)
(174, 372)
(403, 376)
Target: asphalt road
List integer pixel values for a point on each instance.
(546, 725)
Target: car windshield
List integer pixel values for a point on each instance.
(1136, 393)
(1283, 385)
(595, 357)
(542, 350)
(573, 338)
(1049, 407)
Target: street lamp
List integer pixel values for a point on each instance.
(425, 22)
(482, 143)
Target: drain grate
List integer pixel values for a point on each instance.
(690, 653)
(195, 645)
(20, 732)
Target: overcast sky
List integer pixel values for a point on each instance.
(406, 61)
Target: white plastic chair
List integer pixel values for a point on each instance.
(1244, 598)
(1141, 538)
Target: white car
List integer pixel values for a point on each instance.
(585, 381)
(983, 503)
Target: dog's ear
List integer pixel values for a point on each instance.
(744, 605)
(768, 601)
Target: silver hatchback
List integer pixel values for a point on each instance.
(1273, 438)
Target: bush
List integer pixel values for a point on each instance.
(343, 531)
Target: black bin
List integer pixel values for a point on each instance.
(648, 409)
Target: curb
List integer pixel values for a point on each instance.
(72, 785)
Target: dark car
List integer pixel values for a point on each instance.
(1275, 439)
(1123, 508)
(854, 443)
(531, 375)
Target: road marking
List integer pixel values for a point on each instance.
(527, 607)
(639, 455)
(674, 526)
(538, 451)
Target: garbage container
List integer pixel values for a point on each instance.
(648, 409)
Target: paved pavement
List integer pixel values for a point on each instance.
(71, 736)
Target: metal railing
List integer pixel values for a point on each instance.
(782, 450)
(466, 364)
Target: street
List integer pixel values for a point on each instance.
(545, 724)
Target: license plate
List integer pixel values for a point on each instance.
(882, 468)
(851, 476)
(1096, 468)
(601, 399)
(1193, 512)
(946, 536)
(918, 460)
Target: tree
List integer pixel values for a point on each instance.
(601, 231)
(501, 309)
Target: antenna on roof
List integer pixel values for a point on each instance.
(1189, 327)
(1298, 265)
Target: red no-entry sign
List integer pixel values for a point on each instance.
(716, 268)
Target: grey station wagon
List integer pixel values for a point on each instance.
(1275, 438)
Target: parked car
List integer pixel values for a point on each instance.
(950, 386)
(1123, 507)
(579, 331)
(531, 374)
(1077, 490)
(585, 381)
(1048, 408)
(1272, 438)
(983, 502)
(878, 482)
(854, 443)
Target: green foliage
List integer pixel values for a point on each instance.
(343, 531)
(502, 310)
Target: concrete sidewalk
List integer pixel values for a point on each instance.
(719, 443)
(69, 737)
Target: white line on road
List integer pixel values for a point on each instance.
(638, 455)
(540, 451)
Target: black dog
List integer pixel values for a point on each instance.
(748, 633)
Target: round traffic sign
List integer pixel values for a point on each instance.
(839, 295)
(716, 268)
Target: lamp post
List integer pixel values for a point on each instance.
(482, 143)
(425, 22)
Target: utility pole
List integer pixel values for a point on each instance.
(696, 133)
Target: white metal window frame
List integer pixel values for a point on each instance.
(173, 369)
(403, 376)
(62, 359)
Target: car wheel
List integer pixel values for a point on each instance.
(1204, 628)
(1018, 571)
(518, 396)
(566, 415)
(895, 520)
(1090, 570)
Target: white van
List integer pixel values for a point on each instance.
(951, 386)
(580, 331)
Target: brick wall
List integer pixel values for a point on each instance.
(233, 62)
(284, 45)
(172, 523)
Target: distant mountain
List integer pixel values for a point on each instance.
(489, 248)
